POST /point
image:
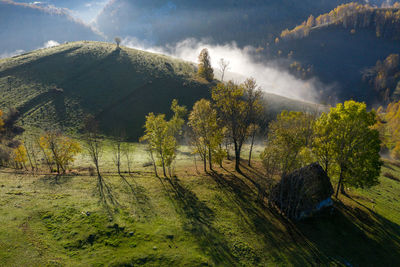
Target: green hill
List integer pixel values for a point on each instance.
(56, 87)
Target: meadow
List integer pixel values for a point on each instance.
(191, 219)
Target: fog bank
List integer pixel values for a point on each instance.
(271, 77)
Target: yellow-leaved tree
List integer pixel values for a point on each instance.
(20, 156)
(347, 143)
(161, 134)
(238, 106)
(388, 125)
(207, 133)
(59, 149)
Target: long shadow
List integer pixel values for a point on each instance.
(348, 236)
(264, 222)
(107, 198)
(55, 180)
(139, 198)
(199, 218)
(59, 105)
(354, 237)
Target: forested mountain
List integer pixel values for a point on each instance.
(354, 48)
(247, 22)
(27, 27)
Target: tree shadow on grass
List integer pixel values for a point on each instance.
(55, 180)
(282, 245)
(139, 199)
(354, 236)
(199, 218)
(107, 198)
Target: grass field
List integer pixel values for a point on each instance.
(193, 219)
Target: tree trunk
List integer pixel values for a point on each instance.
(237, 157)
(210, 159)
(29, 159)
(251, 148)
(34, 158)
(163, 166)
(228, 157)
(195, 163)
(339, 184)
(154, 163)
(205, 162)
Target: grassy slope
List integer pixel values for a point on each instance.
(120, 87)
(193, 220)
(96, 78)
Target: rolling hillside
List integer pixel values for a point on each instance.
(348, 54)
(56, 87)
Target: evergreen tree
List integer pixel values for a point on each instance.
(205, 70)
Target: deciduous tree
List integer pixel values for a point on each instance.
(237, 105)
(352, 144)
(93, 144)
(59, 149)
(20, 156)
(117, 41)
(223, 67)
(161, 135)
(288, 139)
(207, 133)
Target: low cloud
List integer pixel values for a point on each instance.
(11, 54)
(50, 43)
(242, 64)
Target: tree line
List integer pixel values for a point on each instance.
(383, 77)
(342, 140)
(388, 125)
(385, 21)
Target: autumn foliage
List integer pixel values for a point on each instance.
(385, 21)
(59, 149)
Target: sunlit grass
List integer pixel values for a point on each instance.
(191, 220)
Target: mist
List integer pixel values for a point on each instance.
(48, 44)
(242, 64)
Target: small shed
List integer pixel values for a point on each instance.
(303, 192)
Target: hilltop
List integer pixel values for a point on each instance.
(58, 86)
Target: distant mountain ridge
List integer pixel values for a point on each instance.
(354, 47)
(250, 22)
(27, 27)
